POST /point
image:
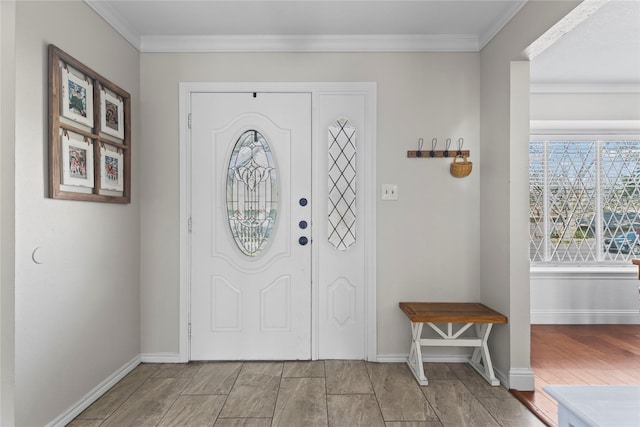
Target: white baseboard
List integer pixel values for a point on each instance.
(161, 358)
(75, 410)
(584, 317)
(439, 358)
(519, 379)
(504, 379)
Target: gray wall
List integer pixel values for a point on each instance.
(585, 106)
(7, 211)
(77, 314)
(428, 241)
(504, 257)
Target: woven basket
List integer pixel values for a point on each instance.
(462, 168)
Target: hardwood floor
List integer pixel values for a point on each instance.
(319, 393)
(580, 354)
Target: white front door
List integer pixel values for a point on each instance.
(250, 226)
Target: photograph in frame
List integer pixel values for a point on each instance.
(77, 160)
(111, 114)
(77, 96)
(111, 170)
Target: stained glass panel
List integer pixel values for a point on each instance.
(252, 193)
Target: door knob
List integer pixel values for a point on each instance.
(302, 225)
(303, 202)
(303, 241)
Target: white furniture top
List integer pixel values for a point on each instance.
(601, 406)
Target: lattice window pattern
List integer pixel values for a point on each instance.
(584, 200)
(342, 184)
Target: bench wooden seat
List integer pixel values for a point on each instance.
(467, 313)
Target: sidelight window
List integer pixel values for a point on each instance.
(342, 184)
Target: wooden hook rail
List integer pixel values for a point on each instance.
(426, 154)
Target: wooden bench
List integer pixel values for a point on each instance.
(470, 314)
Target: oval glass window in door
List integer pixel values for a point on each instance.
(252, 193)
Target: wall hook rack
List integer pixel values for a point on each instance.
(440, 153)
(433, 153)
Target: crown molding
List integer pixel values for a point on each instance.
(106, 11)
(549, 88)
(313, 43)
(293, 43)
(500, 23)
(303, 43)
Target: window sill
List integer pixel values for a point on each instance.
(622, 272)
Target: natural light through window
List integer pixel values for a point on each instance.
(584, 199)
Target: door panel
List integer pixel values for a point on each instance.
(341, 283)
(249, 303)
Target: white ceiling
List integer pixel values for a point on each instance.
(604, 49)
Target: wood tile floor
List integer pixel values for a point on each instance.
(305, 394)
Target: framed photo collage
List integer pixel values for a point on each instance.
(90, 135)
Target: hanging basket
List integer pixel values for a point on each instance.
(462, 168)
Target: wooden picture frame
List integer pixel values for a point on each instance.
(89, 121)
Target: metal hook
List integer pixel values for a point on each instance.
(434, 142)
(420, 144)
(446, 148)
(460, 144)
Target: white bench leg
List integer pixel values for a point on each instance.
(415, 354)
(481, 354)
